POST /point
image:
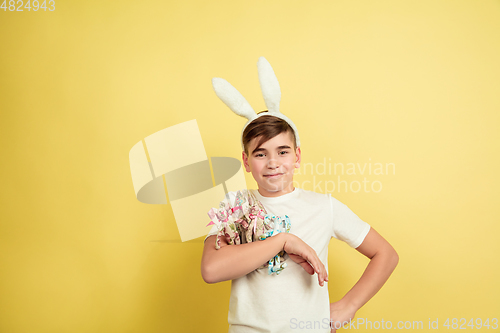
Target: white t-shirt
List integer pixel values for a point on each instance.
(293, 301)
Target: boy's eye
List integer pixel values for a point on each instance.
(283, 152)
(259, 155)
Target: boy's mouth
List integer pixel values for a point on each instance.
(274, 175)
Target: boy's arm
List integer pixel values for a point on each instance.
(234, 261)
(383, 261)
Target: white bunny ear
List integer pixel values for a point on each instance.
(269, 85)
(232, 98)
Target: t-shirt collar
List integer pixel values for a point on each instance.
(281, 198)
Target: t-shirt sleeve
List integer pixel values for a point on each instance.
(212, 232)
(229, 198)
(347, 226)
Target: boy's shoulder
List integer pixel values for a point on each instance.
(230, 196)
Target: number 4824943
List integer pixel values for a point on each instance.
(17, 6)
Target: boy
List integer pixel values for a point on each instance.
(293, 300)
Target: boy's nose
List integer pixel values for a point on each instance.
(272, 163)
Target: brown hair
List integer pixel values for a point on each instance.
(267, 127)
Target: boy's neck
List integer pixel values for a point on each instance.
(284, 191)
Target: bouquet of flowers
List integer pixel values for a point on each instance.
(245, 221)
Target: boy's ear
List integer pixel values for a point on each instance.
(244, 157)
(298, 155)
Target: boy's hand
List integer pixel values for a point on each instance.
(340, 314)
(305, 256)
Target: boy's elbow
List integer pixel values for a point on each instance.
(394, 258)
(206, 277)
(207, 274)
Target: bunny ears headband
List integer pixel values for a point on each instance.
(270, 91)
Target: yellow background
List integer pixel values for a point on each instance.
(414, 83)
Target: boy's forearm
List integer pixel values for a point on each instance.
(375, 275)
(234, 261)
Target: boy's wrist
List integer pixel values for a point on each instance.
(283, 238)
(348, 303)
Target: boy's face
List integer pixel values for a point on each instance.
(272, 164)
